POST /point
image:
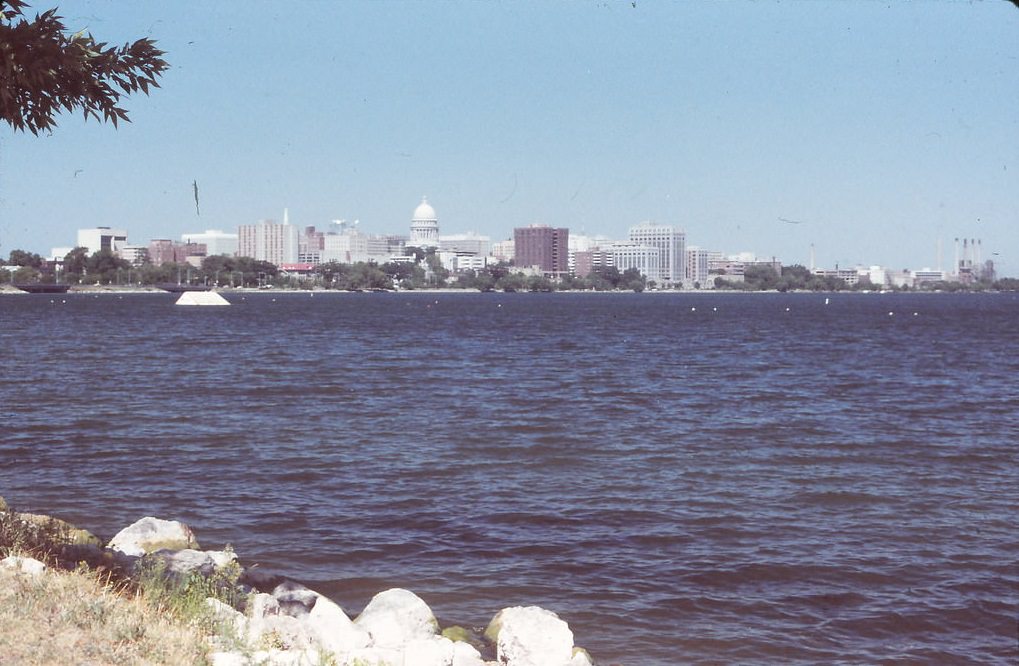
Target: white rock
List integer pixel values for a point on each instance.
(205, 562)
(332, 629)
(395, 617)
(374, 656)
(151, 534)
(531, 636)
(232, 623)
(581, 657)
(431, 651)
(28, 565)
(464, 654)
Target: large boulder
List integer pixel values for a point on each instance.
(151, 534)
(396, 617)
(530, 636)
(188, 561)
(27, 565)
(65, 531)
(333, 630)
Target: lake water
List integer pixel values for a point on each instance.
(685, 478)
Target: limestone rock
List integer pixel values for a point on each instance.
(75, 535)
(3, 504)
(151, 534)
(28, 565)
(581, 657)
(375, 656)
(395, 617)
(333, 630)
(465, 654)
(531, 636)
(231, 621)
(431, 651)
(187, 561)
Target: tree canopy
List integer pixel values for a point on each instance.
(44, 70)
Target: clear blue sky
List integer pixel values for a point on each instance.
(879, 127)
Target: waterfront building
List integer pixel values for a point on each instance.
(848, 275)
(164, 251)
(136, 255)
(269, 241)
(216, 242)
(382, 248)
(470, 242)
(98, 239)
(671, 244)
(646, 259)
(542, 246)
(348, 247)
(585, 261)
(504, 250)
(926, 275)
(697, 265)
(424, 226)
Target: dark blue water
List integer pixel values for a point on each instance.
(774, 480)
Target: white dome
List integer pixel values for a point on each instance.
(424, 211)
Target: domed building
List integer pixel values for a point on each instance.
(424, 226)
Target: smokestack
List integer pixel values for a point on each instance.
(956, 256)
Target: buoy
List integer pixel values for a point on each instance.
(826, 301)
(693, 309)
(787, 309)
(714, 309)
(915, 313)
(890, 314)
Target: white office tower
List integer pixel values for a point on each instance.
(424, 226)
(646, 259)
(671, 243)
(269, 241)
(102, 238)
(216, 242)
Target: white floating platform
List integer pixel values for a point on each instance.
(201, 298)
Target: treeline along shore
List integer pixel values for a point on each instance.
(151, 594)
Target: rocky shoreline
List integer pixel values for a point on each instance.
(274, 621)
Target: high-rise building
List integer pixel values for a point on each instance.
(269, 241)
(101, 238)
(671, 243)
(697, 264)
(216, 242)
(424, 226)
(542, 246)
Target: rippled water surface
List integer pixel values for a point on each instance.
(684, 478)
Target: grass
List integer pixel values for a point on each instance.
(88, 608)
(64, 617)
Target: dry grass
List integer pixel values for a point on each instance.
(77, 618)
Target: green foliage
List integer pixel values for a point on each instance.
(23, 258)
(44, 71)
(184, 595)
(42, 539)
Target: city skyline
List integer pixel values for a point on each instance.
(868, 132)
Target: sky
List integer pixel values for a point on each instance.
(870, 130)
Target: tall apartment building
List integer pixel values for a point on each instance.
(542, 246)
(671, 244)
(269, 241)
(697, 265)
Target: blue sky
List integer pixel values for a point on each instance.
(879, 127)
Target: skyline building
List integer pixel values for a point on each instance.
(671, 244)
(544, 247)
(216, 242)
(424, 226)
(647, 259)
(269, 241)
(98, 239)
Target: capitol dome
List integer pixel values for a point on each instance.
(424, 211)
(424, 226)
